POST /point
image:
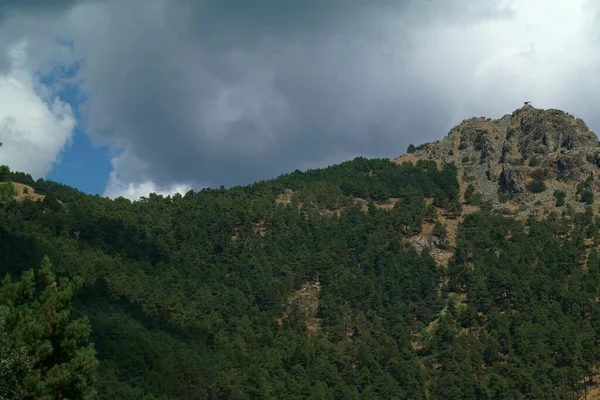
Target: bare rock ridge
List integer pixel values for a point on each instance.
(523, 160)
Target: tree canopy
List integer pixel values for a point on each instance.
(303, 286)
(43, 353)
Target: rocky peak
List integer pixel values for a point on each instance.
(548, 131)
(522, 158)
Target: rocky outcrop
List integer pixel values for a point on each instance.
(507, 159)
(285, 197)
(512, 181)
(548, 131)
(569, 166)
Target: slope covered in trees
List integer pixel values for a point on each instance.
(189, 297)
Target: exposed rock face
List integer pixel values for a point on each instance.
(503, 157)
(285, 197)
(548, 131)
(491, 173)
(570, 166)
(511, 181)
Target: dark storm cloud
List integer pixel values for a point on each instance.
(10, 8)
(227, 92)
(30, 20)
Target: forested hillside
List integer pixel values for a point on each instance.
(309, 286)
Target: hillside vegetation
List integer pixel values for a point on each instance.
(369, 279)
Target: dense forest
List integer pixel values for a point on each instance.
(191, 297)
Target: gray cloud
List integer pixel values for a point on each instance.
(35, 8)
(228, 92)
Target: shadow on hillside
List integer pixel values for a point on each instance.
(19, 253)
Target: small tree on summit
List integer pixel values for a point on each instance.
(411, 148)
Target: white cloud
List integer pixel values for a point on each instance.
(539, 54)
(119, 187)
(133, 191)
(34, 126)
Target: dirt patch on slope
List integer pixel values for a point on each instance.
(25, 192)
(592, 389)
(284, 198)
(306, 299)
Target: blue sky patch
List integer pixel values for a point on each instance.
(81, 165)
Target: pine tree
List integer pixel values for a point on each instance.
(431, 213)
(7, 190)
(440, 232)
(44, 354)
(559, 195)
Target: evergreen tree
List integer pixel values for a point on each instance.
(559, 195)
(7, 190)
(43, 353)
(431, 213)
(440, 232)
(471, 196)
(587, 197)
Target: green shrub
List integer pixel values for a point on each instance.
(505, 150)
(538, 174)
(587, 197)
(534, 161)
(440, 232)
(471, 196)
(430, 213)
(559, 195)
(536, 186)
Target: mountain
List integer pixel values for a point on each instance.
(521, 159)
(428, 276)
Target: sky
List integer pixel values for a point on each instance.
(124, 98)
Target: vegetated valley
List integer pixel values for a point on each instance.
(467, 268)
